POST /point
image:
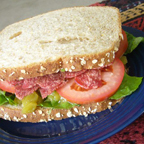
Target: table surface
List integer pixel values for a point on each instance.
(15, 10)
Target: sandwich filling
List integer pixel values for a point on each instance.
(86, 79)
(73, 88)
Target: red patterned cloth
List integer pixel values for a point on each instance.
(132, 134)
(132, 12)
(124, 5)
(137, 23)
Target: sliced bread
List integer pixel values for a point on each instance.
(71, 39)
(14, 113)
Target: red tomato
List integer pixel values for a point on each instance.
(123, 45)
(112, 80)
(6, 86)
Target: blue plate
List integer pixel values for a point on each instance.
(91, 129)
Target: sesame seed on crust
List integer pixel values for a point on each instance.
(48, 114)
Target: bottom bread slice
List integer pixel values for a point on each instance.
(14, 113)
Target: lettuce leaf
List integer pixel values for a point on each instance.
(6, 99)
(3, 99)
(133, 42)
(128, 85)
(60, 105)
(53, 103)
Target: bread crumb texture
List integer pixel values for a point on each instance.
(13, 113)
(71, 38)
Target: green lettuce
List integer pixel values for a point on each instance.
(61, 104)
(133, 42)
(6, 98)
(128, 85)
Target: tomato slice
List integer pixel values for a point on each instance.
(6, 86)
(112, 80)
(123, 45)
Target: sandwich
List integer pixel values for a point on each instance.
(62, 64)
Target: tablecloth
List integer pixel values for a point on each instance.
(132, 15)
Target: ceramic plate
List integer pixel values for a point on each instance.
(91, 129)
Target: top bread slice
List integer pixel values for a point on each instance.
(70, 39)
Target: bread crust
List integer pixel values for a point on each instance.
(68, 63)
(71, 64)
(11, 113)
